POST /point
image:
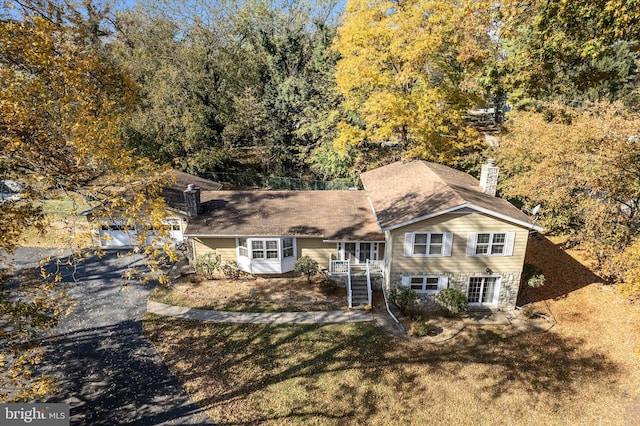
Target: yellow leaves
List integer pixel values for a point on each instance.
(348, 135)
(626, 266)
(395, 67)
(582, 166)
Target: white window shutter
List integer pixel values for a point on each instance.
(406, 281)
(408, 244)
(471, 244)
(444, 282)
(508, 246)
(447, 243)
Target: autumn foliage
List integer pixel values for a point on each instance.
(408, 74)
(582, 166)
(60, 109)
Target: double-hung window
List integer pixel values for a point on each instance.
(257, 249)
(490, 244)
(427, 244)
(243, 247)
(264, 249)
(426, 283)
(271, 249)
(287, 247)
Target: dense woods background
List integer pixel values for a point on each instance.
(101, 94)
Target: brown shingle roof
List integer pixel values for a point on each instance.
(331, 215)
(173, 193)
(403, 192)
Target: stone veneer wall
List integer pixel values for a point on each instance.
(341, 280)
(509, 285)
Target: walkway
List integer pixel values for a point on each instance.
(105, 368)
(317, 317)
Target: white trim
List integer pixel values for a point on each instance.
(472, 243)
(462, 206)
(350, 241)
(409, 244)
(374, 250)
(496, 290)
(373, 210)
(443, 282)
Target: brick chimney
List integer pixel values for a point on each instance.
(192, 200)
(489, 177)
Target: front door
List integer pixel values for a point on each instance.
(364, 252)
(357, 252)
(350, 252)
(483, 291)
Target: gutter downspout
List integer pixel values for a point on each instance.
(386, 302)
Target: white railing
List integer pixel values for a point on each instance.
(349, 292)
(339, 266)
(375, 266)
(369, 289)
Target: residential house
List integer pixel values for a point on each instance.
(416, 224)
(113, 233)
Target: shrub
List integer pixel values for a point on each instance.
(533, 275)
(403, 298)
(307, 266)
(529, 311)
(207, 264)
(453, 300)
(421, 328)
(229, 269)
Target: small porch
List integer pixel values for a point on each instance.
(358, 278)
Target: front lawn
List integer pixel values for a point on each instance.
(583, 371)
(251, 294)
(358, 374)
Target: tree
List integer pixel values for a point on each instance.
(232, 86)
(407, 73)
(60, 108)
(183, 88)
(290, 47)
(307, 266)
(570, 51)
(581, 165)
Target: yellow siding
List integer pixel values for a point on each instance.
(316, 249)
(225, 247)
(460, 225)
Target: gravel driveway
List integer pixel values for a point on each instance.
(108, 372)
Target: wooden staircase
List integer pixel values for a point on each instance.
(360, 294)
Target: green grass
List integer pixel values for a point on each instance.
(65, 227)
(352, 374)
(64, 206)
